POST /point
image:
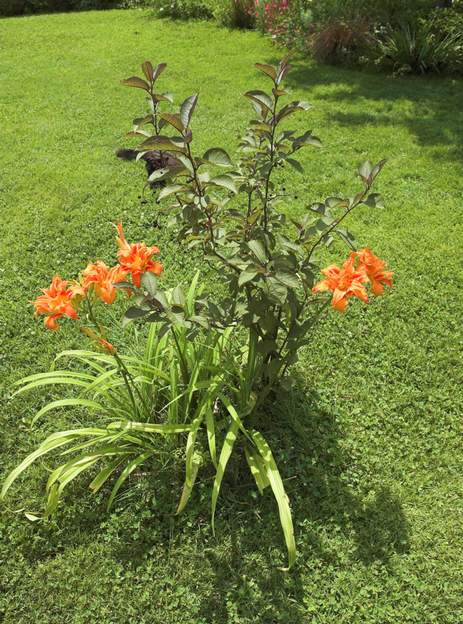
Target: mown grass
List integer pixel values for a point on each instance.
(371, 441)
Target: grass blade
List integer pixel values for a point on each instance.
(234, 414)
(191, 474)
(125, 474)
(52, 442)
(191, 469)
(104, 475)
(257, 468)
(210, 430)
(150, 427)
(225, 453)
(63, 380)
(277, 486)
(93, 405)
(190, 298)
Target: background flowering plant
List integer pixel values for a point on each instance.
(210, 365)
(270, 14)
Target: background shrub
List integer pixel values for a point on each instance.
(21, 7)
(342, 40)
(422, 47)
(183, 9)
(415, 37)
(405, 36)
(236, 13)
(388, 11)
(449, 23)
(12, 7)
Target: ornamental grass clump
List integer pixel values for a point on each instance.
(210, 365)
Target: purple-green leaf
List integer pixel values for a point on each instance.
(158, 70)
(148, 70)
(174, 120)
(187, 110)
(268, 70)
(261, 98)
(135, 81)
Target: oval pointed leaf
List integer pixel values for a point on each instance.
(258, 250)
(159, 174)
(365, 170)
(170, 190)
(174, 120)
(247, 275)
(377, 168)
(134, 313)
(225, 181)
(158, 70)
(149, 283)
(148, 70)
(374, 201)
(164, 143)
(295, 164)
(283, 69)
(187, 110)
(307, 139)
(261, 98)
(218, 156)
(135, 81)
(268, 70)
(166, 97)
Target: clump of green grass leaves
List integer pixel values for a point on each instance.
(209, 367)
(135, 417)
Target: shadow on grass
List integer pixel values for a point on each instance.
(430, 107)
(240, 563)
(306, 441)
(375, 520)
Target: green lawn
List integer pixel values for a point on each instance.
(370, 444)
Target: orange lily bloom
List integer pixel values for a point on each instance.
(136, 258)
(374, 269)
(345, 282)
(103, 279)
(56, 302)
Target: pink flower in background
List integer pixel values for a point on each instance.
(270, 14)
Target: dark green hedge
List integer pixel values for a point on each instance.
(22, 7)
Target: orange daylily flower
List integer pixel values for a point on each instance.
(345, 282)
(56, 301)
(103, 279)
(374, 269)
(136, 258)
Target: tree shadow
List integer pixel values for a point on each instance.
(242, 559)
(240, 563)
(306, 440)
(371, 513)
(428, 107)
